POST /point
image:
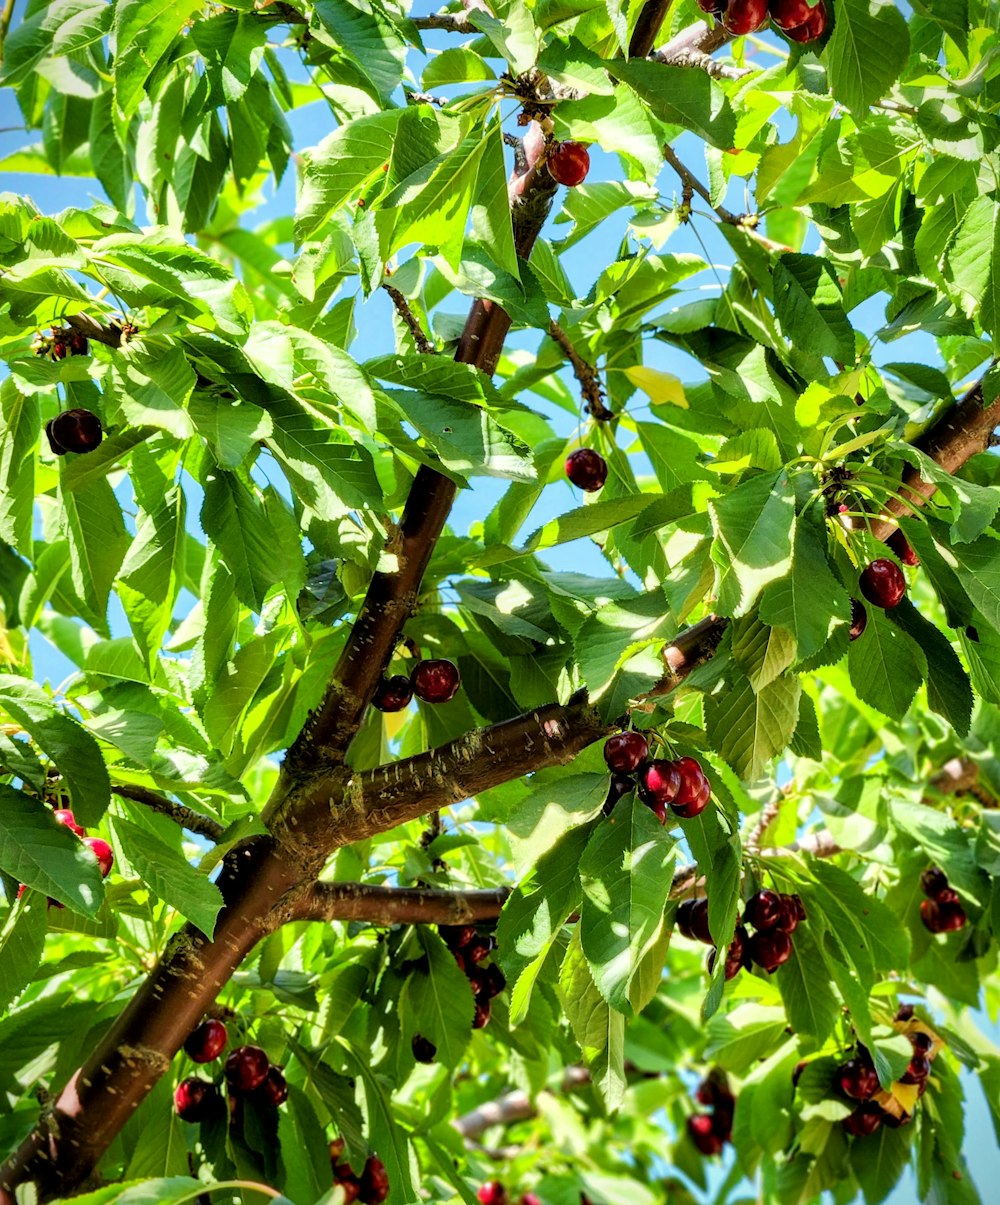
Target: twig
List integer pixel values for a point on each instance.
(425, 98)
(416, 330)
(5, 18)
(586, 374)
(647, 27)
(693, 47)
(449, 22)
(394, 905)
(184, 816)
(512, 1106)
(693, 184)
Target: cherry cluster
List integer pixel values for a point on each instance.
(470, 948)
(435, 680)
(248, 1071)
(942, 911)
(63, 342)
(494, 1193)
(97, 846)
(711, 1131)
(858, 1080)
(587, 469)
(370, 1188)
(773, 915)
(681, 785)
(74, 431)
(797, 19)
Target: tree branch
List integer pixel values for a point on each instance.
(586, 374)
(184, 816)
(395, 905)
(647, 28)
(450, 22)
(424, 344)
(692, 184)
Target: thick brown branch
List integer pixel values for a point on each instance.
(110, 334)
(395, 905)
(184, 816)
(647, 28)
(586, 374)
(693, 47)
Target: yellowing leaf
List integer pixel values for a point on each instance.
(658, 386)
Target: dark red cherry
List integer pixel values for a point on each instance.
(703, 1135)
(587, 469)
(692, 920)
(274, 1090)
(393, 694)
(457, 936)
(942, 918)
(921, 1041)
(619, 786)
(859, 619)
(933, 881)
(424, 1050)
(625, 752)
(812, 28)
(350, 1184)
(193, 1098)
(745, 16)
(496, 981)
(695, 806)
(692, 780)
(436, 680)
(883, 583)
(770, 949)
(714, 8)
(902, 547)
(659, 782)
(102, 851)
(482, 1014)
(246, 1068)
(786, 14)
(793, 913)
(74, 431)
(865, 1119)
(765, 910)
(477, 949)
(568, 163)
(857, 1079)
(206, 1042)
(374, 1181)
(918, 1069)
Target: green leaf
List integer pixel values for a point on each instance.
(810, 1001)
(97, 539)
(231, 428)
(22, 941)
(972, 262)
(169, 876)
(809, 305)
(512, 33)
(153, 385)
(719, 856)
(153, 573)
(681, 97)
(19, 426)
(879, 1160)
(436, 1001)
(66, 743)
(305, 1152)
(977, 567)
(38, 851)
(598, 1028)
(949, 691)
(749, 727)
(625, 873)
(233, 518)
(753, 526)
(456, 65)
(384, 1134)
(885, 665)
(859, 78)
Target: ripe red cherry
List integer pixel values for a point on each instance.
(786, 14)
(714, 8)
(274, 1090)
(792, 914)
(812, 28)
(692, 780)
(902, 547)
(745, 16)
(568, 163)
(918, 1069)
(770, 949)
(102, 851)
(476, 950)
(857, 1079)
(457, 936)
(659, 782)
(734, 954)
(349, 1183)
(703, 1135)
(619, 786)
(492, 1193)
(374, 1181)
(393, 694)
(424, 1050)
(78, 344)
(436, 680)
(587, 469)
(625, 752)
(74, 431)
(865, 1120)
(246, 1068)
(482, 1014)
(765, 910)
(692, 920)
(496, 981)
(696, 805)
(193, 1098)
(206, 1042)
(946, 896)
(933, 881)
(859, 619)
(942, 918)
(920, 1041)
(883, 583)
(65, 816)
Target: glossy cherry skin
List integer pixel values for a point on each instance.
(692, 782)
(568, 163)
(865, 1120)
(714, 8)
(883, 583)
(246, 1068)
(74, 431)
(619, 786)
(917, 1071)
(703, 1135)
(586, 469)
(206, 1042)
(692, 920)
(857, 1079)
(274, 1090)
(933, 881)
(859, 619)
(765, 910)
(393, 694)
(424, 1050)
(65, 816)
(374, 1181)
(436, 680)
(659, 782)
(942, 918)
(902, 547)
(921, 1041)
(770, 949)
(786, 14)
(492, 1193)
(102, 851)
(529, 1198)
(477, 950)
(811, 29)
(193, 1098)
(745, 16)
(792, 913)
(349, 1183)
(457, 936)
(625, 752)
(687, 809)
(735, 954)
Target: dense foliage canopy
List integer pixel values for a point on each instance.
(242, 496)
